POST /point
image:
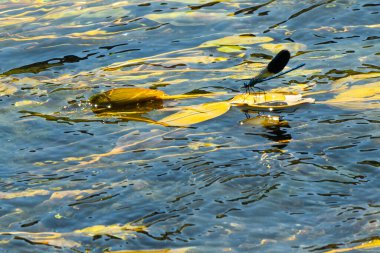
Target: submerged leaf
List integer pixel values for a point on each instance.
(265, 121)
(196, 114)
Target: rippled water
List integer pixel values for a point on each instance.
(72, 181)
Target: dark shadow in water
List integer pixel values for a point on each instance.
(107, 115)
(38, 67)
(251, 10)
(129, 112)
(198, 7)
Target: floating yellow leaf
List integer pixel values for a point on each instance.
(187, 96)
(196, 114)
(132, 96)
(122, 96)
(270, 100)
(257, 98)
(367, 245)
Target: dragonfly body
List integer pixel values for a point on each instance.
(272, 70)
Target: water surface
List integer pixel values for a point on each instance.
(97, 184)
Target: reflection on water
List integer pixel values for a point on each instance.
(275, 128)
(44, 65)
(76, 178)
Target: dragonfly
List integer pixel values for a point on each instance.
(271, 71)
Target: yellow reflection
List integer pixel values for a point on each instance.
(366, 245)
(354, 78)
(62, 239)
(292, 47)
(186, 18)
(358, 97)
(179, 250)
(236, 40)
(26, 193)
(228, 40)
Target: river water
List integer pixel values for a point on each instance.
(74, 181)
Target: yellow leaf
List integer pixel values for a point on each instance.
(257, 98)
(236, 40)
(196, 114)
(270, 100)
(187, 96)
(367, 245)
(123, 96)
